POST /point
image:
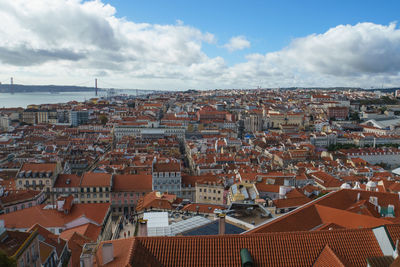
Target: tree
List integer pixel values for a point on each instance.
(103, 119)
(7, 261)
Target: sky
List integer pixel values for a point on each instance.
(180, 44)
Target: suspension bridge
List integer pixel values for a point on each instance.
(107, 89)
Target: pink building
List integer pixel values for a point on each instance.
(13, 200)
(127, 189)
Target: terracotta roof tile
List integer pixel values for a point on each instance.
(132, 183)
(90, 179)
(276, 249)
(52, 218)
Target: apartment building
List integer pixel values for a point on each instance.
(96, 187)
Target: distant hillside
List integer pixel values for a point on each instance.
(18, 88)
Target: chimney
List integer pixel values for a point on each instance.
(221, 229)
(142, 227)
(108, 253)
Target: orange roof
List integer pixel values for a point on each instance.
(156, 200)
(88, 230)
(49, 238)
(122, 254)
(167, 167)
(275, 249)
(92, 179)
(38, 167)
(132, 183)
(336, 208)
(67, 180)
(18, 195)
(52, 218)
(328, 258)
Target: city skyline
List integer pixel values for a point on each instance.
(201, 46)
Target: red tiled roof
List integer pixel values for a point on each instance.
(328, 258)
(123, 250)
(275, 249)
(52, 218)
(49, 238)
(331, 208)
(155, 200)
(132, 183)
(67, 180)
(88, 230)
(18, 195)
(90, 179)
(167, 167)
(39, 167)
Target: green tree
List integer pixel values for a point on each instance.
(103, 119)
(7, 261)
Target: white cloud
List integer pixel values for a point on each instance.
(69, 41)
(361, 55)
(237, 43)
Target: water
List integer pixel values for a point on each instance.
(24, 99)
(8, 100)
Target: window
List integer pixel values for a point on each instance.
(100, 195)
(125, 194)
(219, 192)
(214, 191)
(88, 195)
(20, 182)
(131, 194)
(200, 190)
(107, 195)
(94, 195)
(30, 204)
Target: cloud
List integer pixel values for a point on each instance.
(67, 41)
(350, 55)
(237, 43)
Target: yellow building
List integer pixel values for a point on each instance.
(210, 192)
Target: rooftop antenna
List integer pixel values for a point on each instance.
(95, 85)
